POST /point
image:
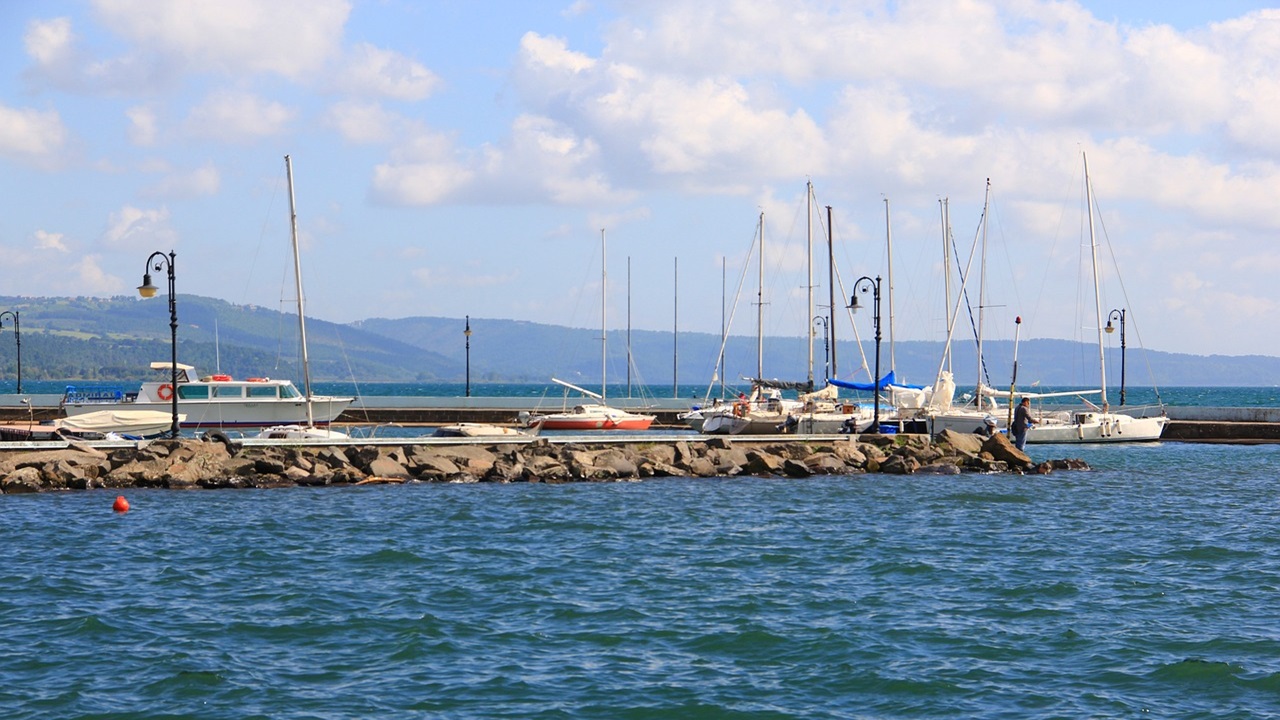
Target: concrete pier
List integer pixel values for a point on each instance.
(1187, 423)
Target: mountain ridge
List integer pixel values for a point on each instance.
(87, 338)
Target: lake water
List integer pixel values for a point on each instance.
(1147, 587)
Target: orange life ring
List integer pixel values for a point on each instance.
(165, 392)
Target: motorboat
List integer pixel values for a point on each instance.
(131, 424)
(209, 402)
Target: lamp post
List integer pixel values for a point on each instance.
(467, 333)
(1110, 329)
(159, 261)
(826, 346)
(866, 284)
(17, 336)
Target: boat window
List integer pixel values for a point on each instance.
(193, 392)
(289, 391)
(234, 391)
(262, 391)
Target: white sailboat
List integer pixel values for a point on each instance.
(309, 431)
(593, 415)
(1097, 424)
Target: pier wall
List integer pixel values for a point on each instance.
(1187, 423)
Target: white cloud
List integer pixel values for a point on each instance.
(50, 241)
(133, 228)
(366, 123)
(424, 171)
(142, 125)
(49, 42)
(204, 180)
(542, 161)
(368, 70)
(291, 38)
(31, 135)
(233, 116)
(92, 279)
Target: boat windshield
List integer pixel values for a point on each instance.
(289, 391)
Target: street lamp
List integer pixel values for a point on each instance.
(17, 336)
(159, 261)
(826, 346)
(1110, 329)
(866, 284)
(467, 333)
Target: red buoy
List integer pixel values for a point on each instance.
(121, 505)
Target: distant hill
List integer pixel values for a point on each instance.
(117, 338)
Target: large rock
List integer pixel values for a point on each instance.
(1002, 450)
(21, 481)
(968, 443)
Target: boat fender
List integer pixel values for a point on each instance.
(255, 379)
(165, 392)
(217, 436)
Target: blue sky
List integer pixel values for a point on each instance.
(462, 158)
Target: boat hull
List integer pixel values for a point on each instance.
(551, 422)
(1099, 428)
(213, 414)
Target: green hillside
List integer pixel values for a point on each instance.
(116, 339)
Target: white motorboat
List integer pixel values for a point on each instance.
(470, 430)
(209, 402)
(126, 423)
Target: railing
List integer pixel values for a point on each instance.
(95, 394)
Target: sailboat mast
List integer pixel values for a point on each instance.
(604, 324)
(888, 241)
(760, 307)
(808, 213)
(1097, 298)
(724, 330)
(944, 206)
(831, 288)
(628, 326)
(982, 291)
(297, 278)
(675, 329)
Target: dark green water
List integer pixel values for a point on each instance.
(1148, 587)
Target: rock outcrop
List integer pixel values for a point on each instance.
(190, 464)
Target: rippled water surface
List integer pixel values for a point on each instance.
(1144, 588)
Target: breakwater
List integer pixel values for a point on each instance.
(222, 463)
(1187, 423)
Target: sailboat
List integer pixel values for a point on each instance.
(593, 415)
(310, 431)
(1097, 423)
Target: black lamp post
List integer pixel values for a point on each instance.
(467, 333)
(826, 346)
(1110, 329)
(159, 261)
(17, 336)
(866, 284)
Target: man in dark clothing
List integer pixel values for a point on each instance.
(1021, 421)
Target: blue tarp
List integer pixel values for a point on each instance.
(865, 387)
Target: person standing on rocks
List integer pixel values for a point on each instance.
(1021, 422)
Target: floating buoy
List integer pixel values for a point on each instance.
(120, 505)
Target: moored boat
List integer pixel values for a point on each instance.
(209, 402)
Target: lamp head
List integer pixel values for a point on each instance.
(853, 301)
(1109, 328)
(146, 289)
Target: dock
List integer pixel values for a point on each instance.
(1186, 423)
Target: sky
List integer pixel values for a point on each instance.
(478, 158)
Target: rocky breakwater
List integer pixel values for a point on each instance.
(182, 464)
